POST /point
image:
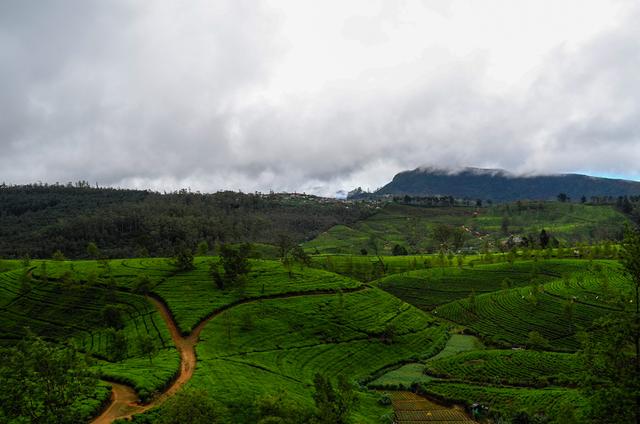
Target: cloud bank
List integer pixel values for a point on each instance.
(313, 96)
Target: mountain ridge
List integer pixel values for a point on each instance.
(502, 185)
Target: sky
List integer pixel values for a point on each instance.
(314, 96)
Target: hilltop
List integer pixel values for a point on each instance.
(502, 186)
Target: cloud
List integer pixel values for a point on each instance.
(238, 95)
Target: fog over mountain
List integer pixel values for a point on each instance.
(314, 96)
(501, 185)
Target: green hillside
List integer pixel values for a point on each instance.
(500, 330)
(416, 227)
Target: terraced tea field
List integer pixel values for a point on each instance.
(292, 339)
(413, 226)
(557, 309)
(562, 405)
(273, 333)
(508, 367)
(429, 288)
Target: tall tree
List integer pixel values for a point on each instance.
(147, 346)
(183, 261)
(93, 251)
(611, 351)
(544, 238)
(41, 382)
(630, 258)
(191, 406)
(334, 404)
(235, 262)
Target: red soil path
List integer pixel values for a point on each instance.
(124, 400)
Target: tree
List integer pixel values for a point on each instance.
(146, 346)
(537, 341)
(611, 351)
(568, 311)
(118, 345)
(194, 406)
(41, 383)
(544, 239)
(92, 278)
(202, 249)
(373, 244)
(399, 250)
(44, 276)
(142, 285)
(562, 197)
(441, 234)
(112, 317)
(299, 255)
(388, 335)
(504, 225)
(611, 382)
(284, 243)
(183, 261)
(472, 301)
(58, 256)
(93, 251)
(25, 283)
(235, 263)
(278, 408)
(333, 404)
(215, 274)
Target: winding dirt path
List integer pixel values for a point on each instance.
(124, 399)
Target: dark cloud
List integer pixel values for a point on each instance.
(154, 95)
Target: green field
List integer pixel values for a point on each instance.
(501, 330)
(508, 316)
(413, 226)
(561, 404)
(192, 295)
(292, 339)
(73, 312)
(429, 288)
(508, 367)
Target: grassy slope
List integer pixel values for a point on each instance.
(193, 296)
(278, 344)
(429, 288)
(412, 226)
(406, 375)
(509, 367)
(288, 340)
(512, 380)
(509, 315)
(554, 402)
(73, 313)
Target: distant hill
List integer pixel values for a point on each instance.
(38, 219)
(502, 186)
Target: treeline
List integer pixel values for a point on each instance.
(37, 220)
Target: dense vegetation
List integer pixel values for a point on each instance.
(471, 229)
(38, 220)
(537, 329)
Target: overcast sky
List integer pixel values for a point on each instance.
(314, 96)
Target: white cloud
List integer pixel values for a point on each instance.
(314, 96)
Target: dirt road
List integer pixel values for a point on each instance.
(124, 400)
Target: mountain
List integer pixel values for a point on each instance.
(502, 186)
